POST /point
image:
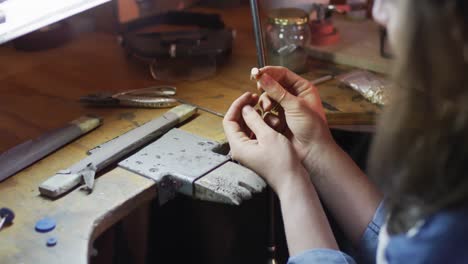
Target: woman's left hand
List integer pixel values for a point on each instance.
(270, 154)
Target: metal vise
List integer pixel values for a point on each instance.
(181, 162)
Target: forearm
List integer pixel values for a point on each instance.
(306, 225)
(344, 188)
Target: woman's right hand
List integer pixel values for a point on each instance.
(302, 111)
(343, 187)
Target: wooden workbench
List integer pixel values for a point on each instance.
(39, 92)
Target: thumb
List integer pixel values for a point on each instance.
(255, 122)
(276, 92)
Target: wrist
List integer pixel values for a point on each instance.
(294, 183)
(320, 157)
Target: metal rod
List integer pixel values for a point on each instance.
(321, 79)
(271, 203)
(271, 200)
(258, 33)
(202, 108)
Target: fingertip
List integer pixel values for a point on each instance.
(247, 109)
(274, 122)
(233, 112)
(266, 105)
(244, 98)
(265, 102)
(254, 99)
(254, 95)
(254, 121)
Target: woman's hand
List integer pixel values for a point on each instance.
(350, 196)
(302, 114)
(270, 154)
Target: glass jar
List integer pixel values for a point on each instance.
(359, 9)
(287, 34)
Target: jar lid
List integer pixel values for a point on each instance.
(288, 16)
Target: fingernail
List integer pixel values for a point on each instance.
(247, 109)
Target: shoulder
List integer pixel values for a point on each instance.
(443, 237)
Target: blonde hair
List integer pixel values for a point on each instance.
(420, 154)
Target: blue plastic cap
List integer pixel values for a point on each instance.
(51, 241)
(45, 225)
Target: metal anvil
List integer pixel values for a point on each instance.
(181, 162)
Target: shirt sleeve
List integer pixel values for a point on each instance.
(440, 238)
(328, 256)
(367, 249)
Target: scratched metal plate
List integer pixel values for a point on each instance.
(179, 154)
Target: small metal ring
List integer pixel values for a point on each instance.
(282, 97)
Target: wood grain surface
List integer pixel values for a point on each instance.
(39, 91)
(359, 46)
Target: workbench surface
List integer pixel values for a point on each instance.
(39, 92)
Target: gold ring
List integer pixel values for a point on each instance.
(282, 97)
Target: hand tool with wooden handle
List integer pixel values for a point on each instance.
(112, 151)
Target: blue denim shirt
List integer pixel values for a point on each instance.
(441, 238)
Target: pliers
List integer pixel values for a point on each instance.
(150, 97)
